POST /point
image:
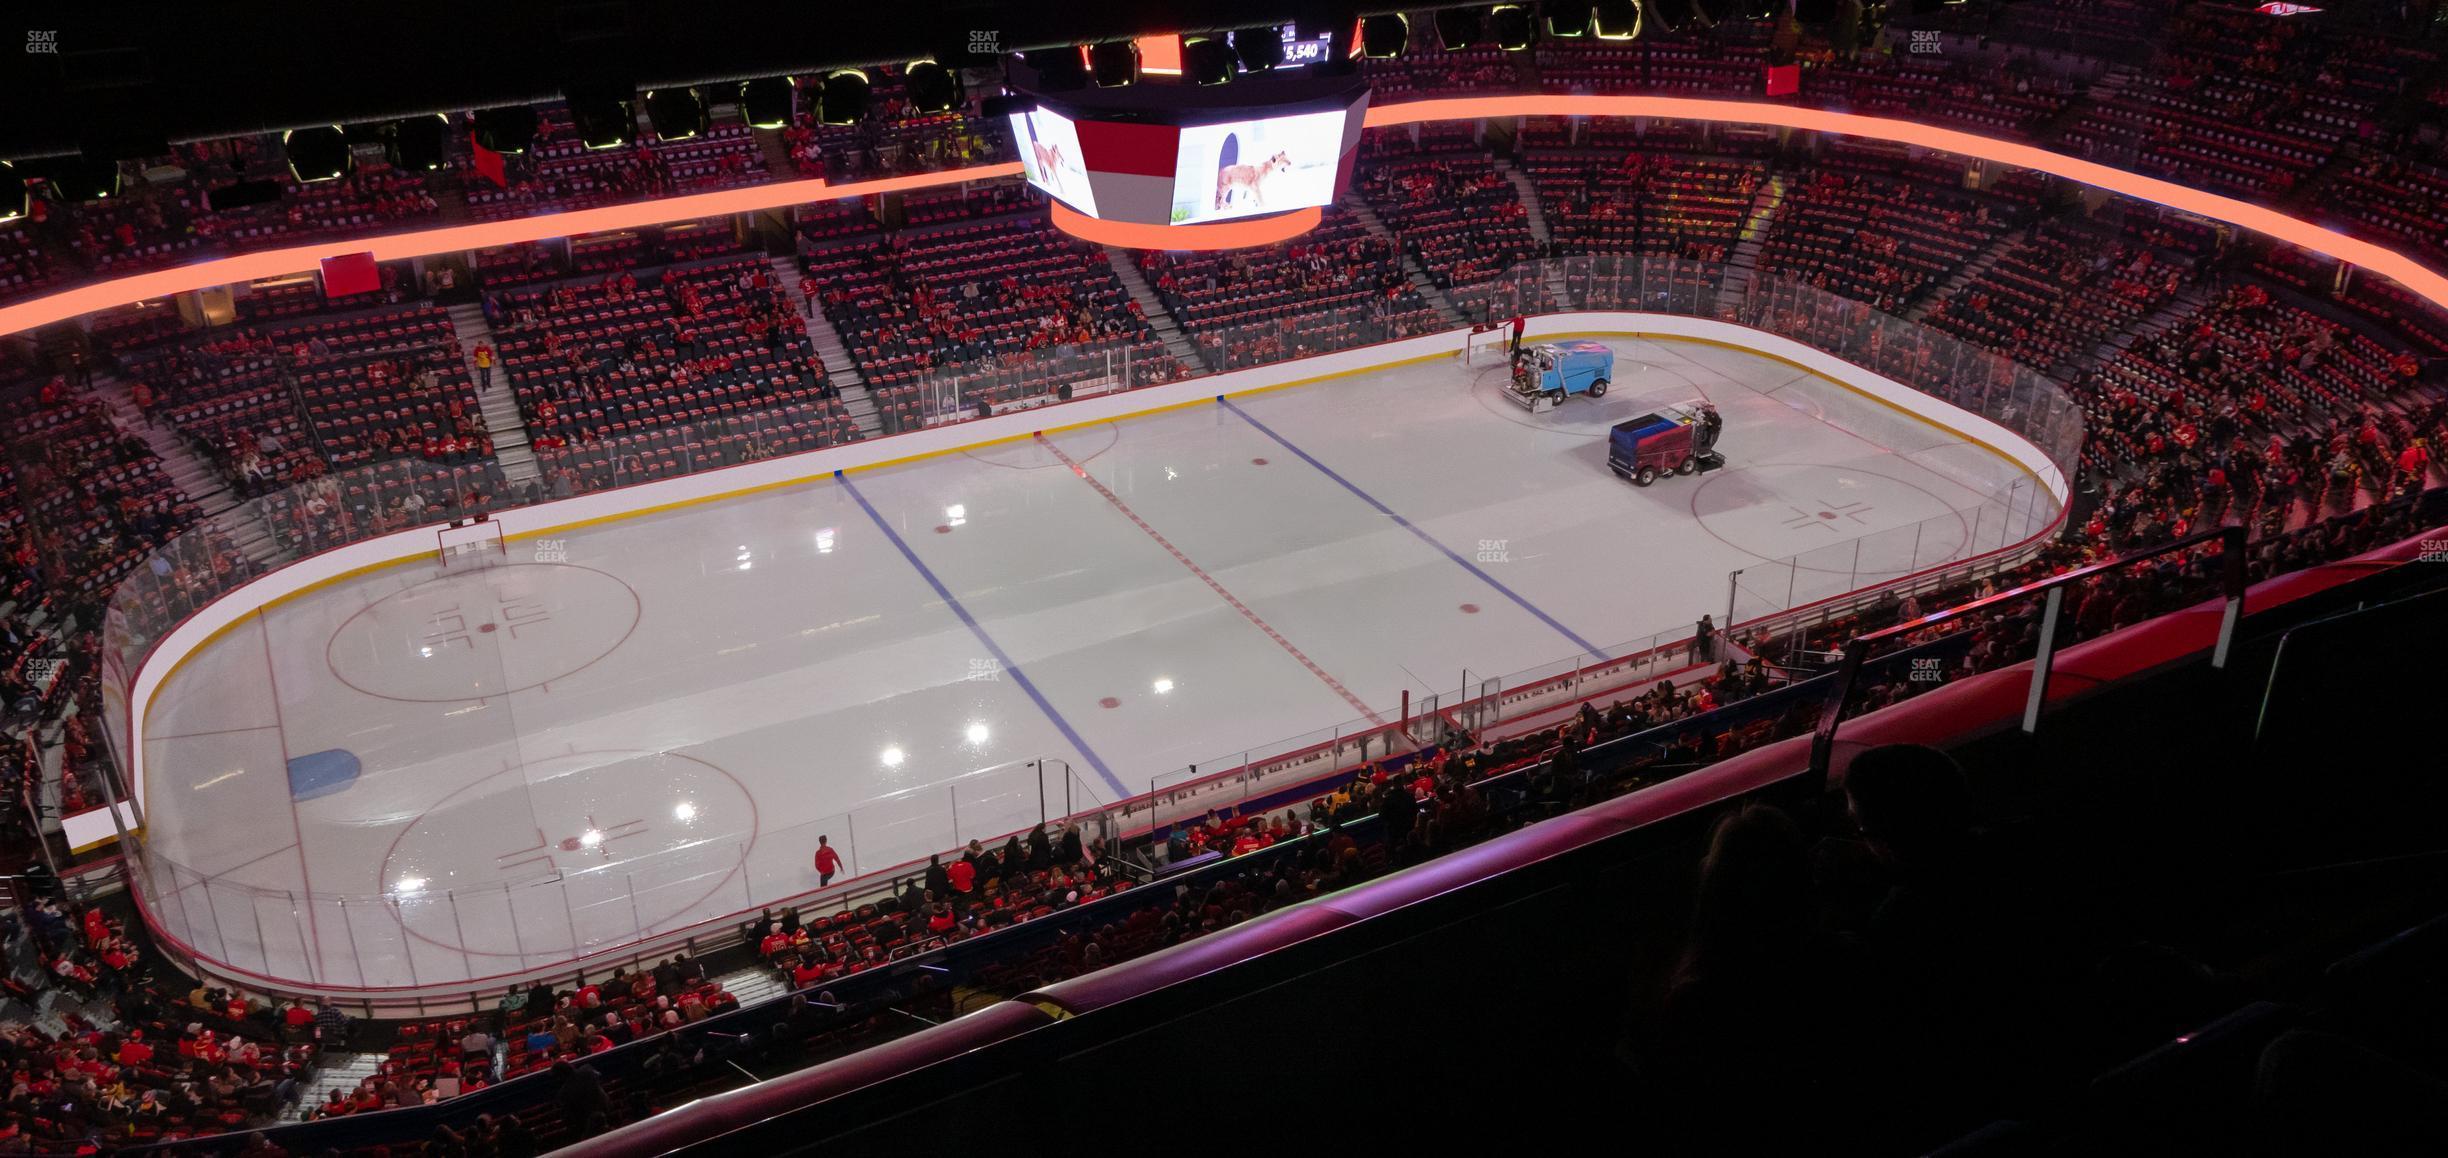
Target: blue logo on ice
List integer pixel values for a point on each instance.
(318, 774)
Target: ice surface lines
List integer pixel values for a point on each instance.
(1228, 597)
(1423, 536)
(1003, 660)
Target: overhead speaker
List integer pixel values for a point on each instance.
(933, 88)
(316, 154)
(1207, 60)
(1460, 28)
(844, 99)
(605, 113)
(765, 103)
(677, 114)
(1113, 63)
(1058, 69)
(1342, 48)
(1258, 49)
(1511, 27)
(1385, 36)
(415, 143)
(1615, 19)
(79, 178)
(1567, 20)
(13, 201)
(506, 130)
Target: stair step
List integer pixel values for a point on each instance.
(1160, 320)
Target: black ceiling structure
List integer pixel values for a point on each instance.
(116, 78)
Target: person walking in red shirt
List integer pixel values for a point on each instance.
(2414, 463)
(828, 862)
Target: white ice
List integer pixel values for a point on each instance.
(646, 724)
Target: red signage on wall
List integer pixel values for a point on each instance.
(350, 273)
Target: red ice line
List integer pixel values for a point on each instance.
(1227, 596)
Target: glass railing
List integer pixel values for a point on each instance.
(566, 901)
(399, 938)
(958, 390)
(570, 466)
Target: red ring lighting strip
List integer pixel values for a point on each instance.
(246, 267)
(1213, 235)
(2378, 259)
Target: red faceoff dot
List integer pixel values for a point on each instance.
(1470, 609)
(1109, 702)
(1257, 462)
(1827, 514)
(488, 627)
(571, 844)
(943, 528)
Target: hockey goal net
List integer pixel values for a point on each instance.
(470, 543)
(1487, 346)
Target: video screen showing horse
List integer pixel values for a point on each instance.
(1243, 168)
(1050, 156)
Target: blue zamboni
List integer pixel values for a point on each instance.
(1545, 375)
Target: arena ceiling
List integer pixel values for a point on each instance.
(113, 74)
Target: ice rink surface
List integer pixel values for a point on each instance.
(418, 777)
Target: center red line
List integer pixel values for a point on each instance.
(1228, 597)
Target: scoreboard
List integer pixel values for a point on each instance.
(1168, 164)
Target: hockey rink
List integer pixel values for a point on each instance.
(418, 777)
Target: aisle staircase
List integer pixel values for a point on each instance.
(1159, 319)
(1764, 206)
(1528, 192)
(841, 370)
(1742, 262)
(774, 146)
(1534, 215)
(1966, 274)
(339, 1071)
(756, 983)
(503, 422)
(2158, 321)
(1428, 291)
(204, 485)
(450, 201)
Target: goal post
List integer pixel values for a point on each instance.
(1487, 346)
(466, 544)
